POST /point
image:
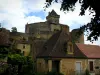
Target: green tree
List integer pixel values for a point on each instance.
(20, 64)
(17, 63)
(16, 60)
(92, 27)
(3, 52)
(3, 55)
(29, 67)
(14, 29)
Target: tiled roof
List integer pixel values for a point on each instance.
(54, 47)
(49, 45)
(91, 51)
(53, 13)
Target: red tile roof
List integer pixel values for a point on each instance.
(91, 51)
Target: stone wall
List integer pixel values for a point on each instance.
(41, 65)
(25, 48)
(96, 66)
(66, 66)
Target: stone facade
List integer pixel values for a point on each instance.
(20, 41)
(45, 30)
(66, 66)
(96, 68)
(25, 48)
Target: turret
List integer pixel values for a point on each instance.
(53, 17)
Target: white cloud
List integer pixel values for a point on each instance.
(13, 14)
(33, 19)
(33, 5)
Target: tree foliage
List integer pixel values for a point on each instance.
(17, 63)
(16, 59)
(14, 29)
(3, 52)
(92, 5)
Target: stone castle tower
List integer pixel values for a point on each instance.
(44, 30)
(40, 32)
(53, 17)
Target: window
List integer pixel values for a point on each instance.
(91, 66)
(70, 48)
(23, 46)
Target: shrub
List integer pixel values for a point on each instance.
(87, 72)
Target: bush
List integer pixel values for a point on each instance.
(87, 72)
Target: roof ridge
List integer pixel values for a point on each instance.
(87, 44)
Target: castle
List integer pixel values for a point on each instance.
(37, 34)
(40, 32)
(53, 47)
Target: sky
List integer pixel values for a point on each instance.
(17, 13)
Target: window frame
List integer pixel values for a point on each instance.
(70, 48)
(92, 65)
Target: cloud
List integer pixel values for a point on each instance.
(33, 5)
(13, 14)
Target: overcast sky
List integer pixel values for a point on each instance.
(17, 13)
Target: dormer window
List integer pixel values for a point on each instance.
(70, 48)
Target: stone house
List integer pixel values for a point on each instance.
(61, 55)
(20, 41)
